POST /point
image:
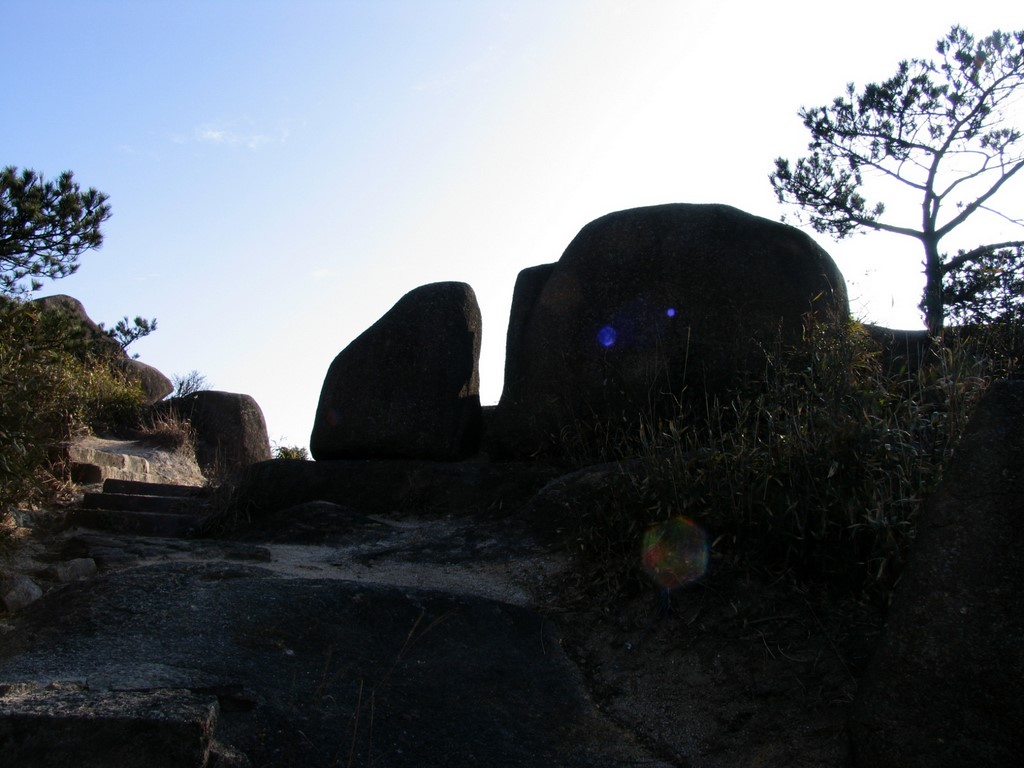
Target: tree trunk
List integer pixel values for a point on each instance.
(932, 303)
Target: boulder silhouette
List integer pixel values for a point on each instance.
(650, 306)
(408, 387)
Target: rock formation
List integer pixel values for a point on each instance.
(230, 430)
(408, 387)
(943, 689)
(155, 386)
(650, 305)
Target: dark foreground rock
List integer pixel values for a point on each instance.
(944, 689)
(311, 672)
(55, 726)
(409, 487)
(466, 634)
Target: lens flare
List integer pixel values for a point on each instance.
(606, 336)
(675, 552)
(670, 312)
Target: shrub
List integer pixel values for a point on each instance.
(189, 384)
(291, 452)
(169, 432)
(50, 389)
(815, 472)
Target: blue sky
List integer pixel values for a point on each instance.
(281, 173)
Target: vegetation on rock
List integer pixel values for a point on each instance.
(52, 386)
(57, 377)
(291, 452)
(189, 383)
(815, 472)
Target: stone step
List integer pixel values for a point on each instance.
(157, 729)
(133, 502)
(142, 508)
(163, 524)
(93, 466)
(112, 485)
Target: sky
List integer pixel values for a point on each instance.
(281, 173)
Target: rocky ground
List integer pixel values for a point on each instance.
(741, 672)
(736, 671)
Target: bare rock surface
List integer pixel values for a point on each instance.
(311, 671)
(154, 385)
(332, 635)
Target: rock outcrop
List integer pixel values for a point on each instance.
(651, 305)
(408, 387)
(944, 687)
(85, 330)
(155, 386)
(230, 430)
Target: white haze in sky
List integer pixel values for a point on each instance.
(281, 173)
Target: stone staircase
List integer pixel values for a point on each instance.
(92, 460)
(144, 509)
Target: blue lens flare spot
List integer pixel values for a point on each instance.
(675, 552)
(606, 336)
(670, 312)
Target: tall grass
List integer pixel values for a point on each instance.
(815, 470)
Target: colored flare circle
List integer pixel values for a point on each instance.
(675, 552)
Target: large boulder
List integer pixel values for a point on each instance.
(408, 387)
(89, 335)
(155, 386)
(230, 431)
(944, 686)
(82, 328)
(651, 305)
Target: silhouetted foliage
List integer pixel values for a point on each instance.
(940, 131)
(985, 285)
(44, 227)
(189, 384)
(126, 334)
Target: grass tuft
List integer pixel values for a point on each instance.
(815, 471)
(169, 432)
